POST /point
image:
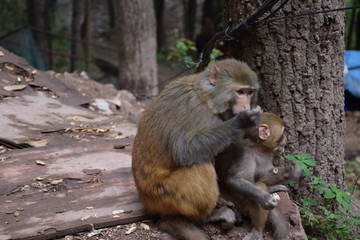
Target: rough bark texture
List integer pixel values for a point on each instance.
(300, 61)
(137, 46)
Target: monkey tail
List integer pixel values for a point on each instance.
(279, 224)
(181, 228)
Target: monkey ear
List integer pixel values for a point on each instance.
(214, 75)
(264, 132)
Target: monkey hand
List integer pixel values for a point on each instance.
(278, 188)
(248, 118)
(292, 172)
(268, 201)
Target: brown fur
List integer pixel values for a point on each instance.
(178, 137)
(245, 171)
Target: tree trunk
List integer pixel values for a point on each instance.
(189, 18)
(77, 12)
(350, 30)
(137, 47)
(357, 39)
(38, 17)
(111, 10)
(87, 34)
(159, 14)
(300, 61)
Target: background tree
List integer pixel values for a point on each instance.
(137, 46)
(77, 19)
(301, 63)
(38, 17)
(352, 35)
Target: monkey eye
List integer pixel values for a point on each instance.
(240, 92)
(245, 91)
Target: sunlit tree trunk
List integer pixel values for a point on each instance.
(137, 47)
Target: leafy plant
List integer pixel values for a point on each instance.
(323, 220)
(352, 175)
(184, 51)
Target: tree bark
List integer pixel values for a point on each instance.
(38, 17)
(357, 39)
(87, 34)
(189, 18)
(77, 12)
(111, 11)
(159, 6)
(300, 63)
(137, 47)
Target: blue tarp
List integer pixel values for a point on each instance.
(352, 72)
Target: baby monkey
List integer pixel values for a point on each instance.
(247, 176)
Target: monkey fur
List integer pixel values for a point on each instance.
(180, 133)
(247, 176)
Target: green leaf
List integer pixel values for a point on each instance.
(290, 157)
(309, 202)
(344, 202)
(348, 196)
(329, 195)
(307, 172)
(304, 155)
(336, 190)
(182, 46)
(291, 183)
(310, 162)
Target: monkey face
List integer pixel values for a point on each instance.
(272, 133)
(242, 98)
(280, 148)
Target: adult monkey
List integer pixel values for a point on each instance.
(247, 175)
(179, 135)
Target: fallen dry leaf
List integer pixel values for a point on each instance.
(144, 226)
(1, 54)
(86, 217)
(17, 213)
(56, 181)
(15, 87)
(38, 185)
(116, 212)
(38, 143)
(91, 171)
(41, 163)
(99, 130)
(131, 230)
(119, 146)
